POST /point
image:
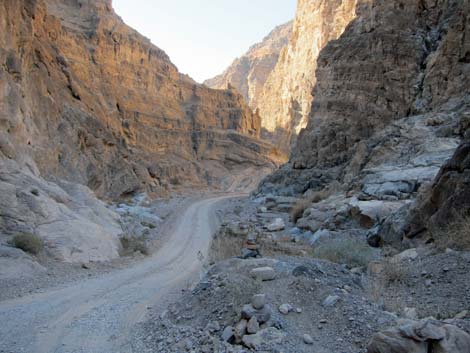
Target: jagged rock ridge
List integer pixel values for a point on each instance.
(249, 73)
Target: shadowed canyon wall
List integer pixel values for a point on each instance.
(389, 98)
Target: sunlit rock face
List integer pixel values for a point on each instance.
(287, 97)
(389, 96)
(249, 73)
(85, 98)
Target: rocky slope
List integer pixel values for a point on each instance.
(86, 100)
(248, 74)
(287, 95)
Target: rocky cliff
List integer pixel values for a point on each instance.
(389, 114)
(389, 94)
(287, 95)
(248, 74)
(86, 100)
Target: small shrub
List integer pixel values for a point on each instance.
(225, 246)
(456, 235)
(28, 242)
(131, 245)
(349, 251)
(298, 210)
(394, 272)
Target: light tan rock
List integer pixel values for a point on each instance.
(249, 73)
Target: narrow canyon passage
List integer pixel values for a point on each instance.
(97, 315)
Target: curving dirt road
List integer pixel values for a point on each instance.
(96, 316)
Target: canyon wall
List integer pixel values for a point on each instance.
(390, 98)
(249, 73)
(87, 99)
(287, 97)
(88, 107)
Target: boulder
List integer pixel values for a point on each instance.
(331, 300)
(253, 325)
(263, 339)
(263, 273)
(285, 309)
(258, 301)
(421, 337)
(277, 225)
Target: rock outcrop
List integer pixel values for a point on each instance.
(422, 336)
(249, 73)
(286, 100)
(448, 199)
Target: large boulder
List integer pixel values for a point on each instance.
(421, 337)
(73, 224)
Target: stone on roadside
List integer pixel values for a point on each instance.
(258, 301)
(212, 326)
(263, 273)
(227, 334)
(253, 326)
(240, 330)
(418, 336)
(308, 339)
(263, 315)
(331, 300)
(407, 255)
(285, 309)
(264, 339)
(277, 225)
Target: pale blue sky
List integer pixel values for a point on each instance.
(203, 37)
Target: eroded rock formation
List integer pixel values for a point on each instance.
(249, 73)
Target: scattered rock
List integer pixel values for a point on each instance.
(331, 300)
(419, 337)
(263, 339)
(407, 255)
(258, 301)
(285, 309)
(308, 339)
(263, 273)
(253, 325)
(277, 225)
(228, 334)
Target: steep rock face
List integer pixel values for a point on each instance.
(389, 95)
(286, 100)
(85, 98)
(249, 73)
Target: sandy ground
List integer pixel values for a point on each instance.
(96, 315)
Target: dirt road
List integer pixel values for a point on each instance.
(96, 316)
